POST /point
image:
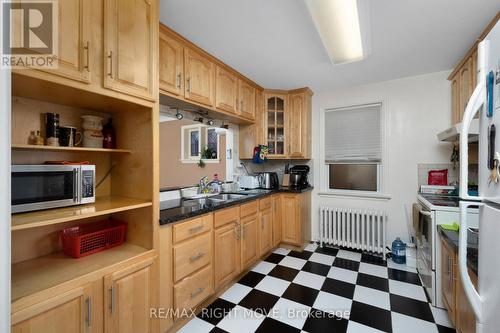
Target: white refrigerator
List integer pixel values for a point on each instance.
(485, 300)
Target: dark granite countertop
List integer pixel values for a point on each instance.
(180, 209)
(451, 237)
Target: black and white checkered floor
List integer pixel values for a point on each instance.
(323, 290)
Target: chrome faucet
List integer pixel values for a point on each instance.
(204, 185)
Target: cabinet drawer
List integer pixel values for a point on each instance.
(226, 216)
(194, 289)
(192, 255)
(266, 203)
(191, 228)
(249, 209)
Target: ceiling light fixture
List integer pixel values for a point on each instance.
(343, 26)
(210, 122)
(224, 125)
(198, 119)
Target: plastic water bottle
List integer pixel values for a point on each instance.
(398, 251)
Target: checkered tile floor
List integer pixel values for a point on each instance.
(323, 290)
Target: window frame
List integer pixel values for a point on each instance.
(381, 166)
(186, 131)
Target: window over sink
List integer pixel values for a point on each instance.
(200, 142)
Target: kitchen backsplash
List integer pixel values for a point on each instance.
(453, 174)
(277, 166)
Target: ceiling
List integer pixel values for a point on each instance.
(275, 43)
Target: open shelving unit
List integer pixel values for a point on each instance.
(127, 192)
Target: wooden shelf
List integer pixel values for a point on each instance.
(31, 276)
(69, 149)
(102, 206)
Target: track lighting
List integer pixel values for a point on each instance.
(198, 119)
(224, 125)
(179, 115)
(210, 122)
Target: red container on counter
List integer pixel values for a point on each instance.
(438, 177)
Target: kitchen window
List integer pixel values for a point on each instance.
(352, 149)
(199, 142)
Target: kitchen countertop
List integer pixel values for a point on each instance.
(451, 237)
(180, 209)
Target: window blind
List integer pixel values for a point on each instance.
(352, 135)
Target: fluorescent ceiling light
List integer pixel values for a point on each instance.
(339, 25)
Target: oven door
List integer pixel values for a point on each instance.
(426, 237)
(36, 187)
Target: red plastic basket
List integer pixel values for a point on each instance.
(81, 241)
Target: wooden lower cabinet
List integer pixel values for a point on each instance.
(127, 300)
(448, 279)
(249, 240)
(226, 251)
(277, 220)
(194, 289)
(266, 230)
(455, 300)
(68, 312)
(290, 210)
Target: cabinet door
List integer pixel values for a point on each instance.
(291, 219)
(226, 91)
(466, 87)
(247, 100)
(296, 126)
(227, 253)
(199, 78)
(130, 32)
(253, 135)
(456, 115)
(448, 275)
(69, 312)
(266, 230)
(74, 46)
(128, 300)
(171, 65)
(249, 241)
(275, 120)
(277, 220)
(466, 320)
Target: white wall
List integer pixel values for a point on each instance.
(416, 109)
(4, 194)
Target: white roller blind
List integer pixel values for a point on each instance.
(353, 134)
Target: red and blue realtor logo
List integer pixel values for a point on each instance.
(30, 34)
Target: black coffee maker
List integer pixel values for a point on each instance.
(298, 176)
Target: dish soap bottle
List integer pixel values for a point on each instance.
(109, 136)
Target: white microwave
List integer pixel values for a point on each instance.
(37, 187)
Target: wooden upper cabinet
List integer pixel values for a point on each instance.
(130, 39)
(68, 312)
(171, 65)
(199, 78)
(246, 100)
(456, 115)
(128, 300)
(74, 44)
(290, 217)
(274, 124)
(226, 91)
(466, 86)
(299, 120)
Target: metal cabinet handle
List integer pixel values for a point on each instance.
(110, 57)
(188, 81)
(88, 302)
(196, 257)
(87, 51)
(179, 77)
(112, 299)
(195, 229)
(197, 292)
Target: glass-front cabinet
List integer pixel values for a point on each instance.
(276, 125)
